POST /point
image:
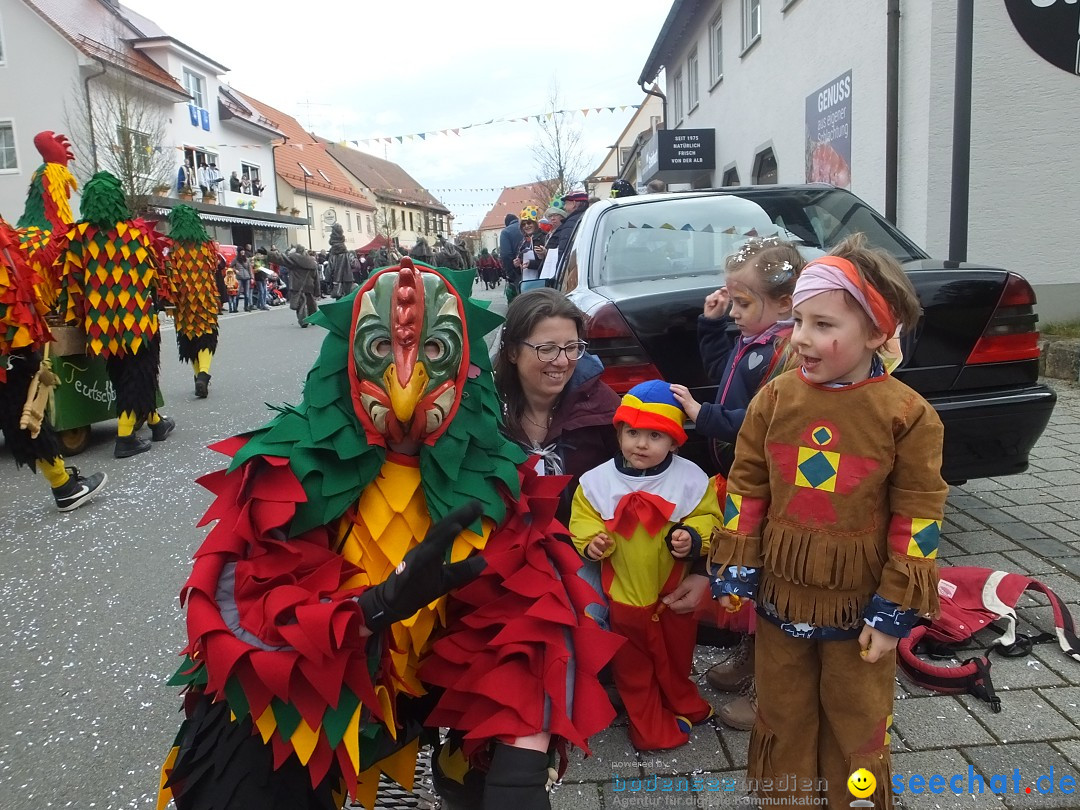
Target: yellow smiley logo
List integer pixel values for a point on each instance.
(861, 784)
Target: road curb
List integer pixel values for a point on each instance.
(1059, 358)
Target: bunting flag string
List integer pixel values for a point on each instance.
(456, 131)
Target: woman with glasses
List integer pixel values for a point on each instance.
(555, 406)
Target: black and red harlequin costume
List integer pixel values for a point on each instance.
(290, 702)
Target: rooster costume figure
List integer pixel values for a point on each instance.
(109, 277)
(311, 666)
(47, 214)
(27, 287)
(193, 262)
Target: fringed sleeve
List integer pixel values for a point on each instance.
(737, 540)
(917, 496)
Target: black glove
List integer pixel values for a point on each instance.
(422, 576)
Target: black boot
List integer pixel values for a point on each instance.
(161, 430)
(127, 446)
(517, 779)
(202, 384)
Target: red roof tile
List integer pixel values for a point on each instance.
(102, 33)
(326, 178)
(386, 179)
(512, 200)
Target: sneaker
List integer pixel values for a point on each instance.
(127, 446)
(740, 713)
(202, 384)
(78, 490)
(729, 675)
(160, 431)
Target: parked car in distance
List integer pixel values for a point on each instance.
(640, 268)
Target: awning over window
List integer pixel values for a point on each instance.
(160, 206)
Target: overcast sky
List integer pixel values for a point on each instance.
(350, 71)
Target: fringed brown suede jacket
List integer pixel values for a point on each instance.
(835, 494)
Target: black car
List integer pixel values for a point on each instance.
(640, 268)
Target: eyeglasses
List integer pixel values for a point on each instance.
(549, 352)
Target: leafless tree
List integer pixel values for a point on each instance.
(386, 225)
(557, 151)
(124, 131)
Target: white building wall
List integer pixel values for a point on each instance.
(761, 101)
(1024, 165)
(39, 74)
(232, 144)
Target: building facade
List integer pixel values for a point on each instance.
(621, 160)
(138, 103)
(797, 91)
(406, 210)
(311, 186)
(511, 201)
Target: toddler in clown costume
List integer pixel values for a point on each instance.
(647, 515)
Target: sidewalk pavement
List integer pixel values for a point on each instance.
(1027, 523)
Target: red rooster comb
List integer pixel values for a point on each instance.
(53, 148)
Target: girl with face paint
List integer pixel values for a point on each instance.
(832, 518)
(742, 335)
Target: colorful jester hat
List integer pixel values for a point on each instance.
(404, 363)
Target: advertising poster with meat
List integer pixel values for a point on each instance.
(828, 133)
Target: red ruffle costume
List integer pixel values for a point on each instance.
(314, 510)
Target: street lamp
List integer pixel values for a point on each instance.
(307, 203)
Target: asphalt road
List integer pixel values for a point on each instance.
(90, 622)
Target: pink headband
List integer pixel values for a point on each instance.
(833, 273)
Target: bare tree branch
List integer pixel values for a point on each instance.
(557, 151)
(128, 130)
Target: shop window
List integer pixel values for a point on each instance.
(765, 169)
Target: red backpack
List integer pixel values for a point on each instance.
(971, 600)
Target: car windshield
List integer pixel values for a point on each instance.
(694, 235)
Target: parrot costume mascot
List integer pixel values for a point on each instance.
(321, 647)
(192, 266)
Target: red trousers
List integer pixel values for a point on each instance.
(652, 674)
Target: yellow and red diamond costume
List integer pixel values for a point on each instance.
(288, 703)
(193, 258)
(109, 278)
(23, 334)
